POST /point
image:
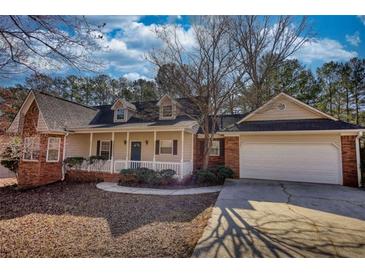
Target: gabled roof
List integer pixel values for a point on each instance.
(58, 113)
(125, 104)
(292, 99)
(169, 97)
(291, 125)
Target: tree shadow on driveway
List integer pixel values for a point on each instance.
(280, 219)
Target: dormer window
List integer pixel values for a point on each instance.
(119, 114)
(169, 108)
(167, 111)
(123, 110)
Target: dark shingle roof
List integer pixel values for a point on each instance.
(59, 113)
(291, 125)
(145, 112)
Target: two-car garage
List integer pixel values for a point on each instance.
(312, 158)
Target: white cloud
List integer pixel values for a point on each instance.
(135, 76)
(354, 39)
(124, 52)
(324, 50)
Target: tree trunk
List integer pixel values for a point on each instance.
(206, 143)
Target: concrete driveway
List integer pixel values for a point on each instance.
(258, 218)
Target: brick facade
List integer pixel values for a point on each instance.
(232, 154)
(349, 165)
(198, 154)
(38, 172)
(79, 176)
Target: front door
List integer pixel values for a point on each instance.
(136, 151)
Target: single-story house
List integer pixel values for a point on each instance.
(284, 139)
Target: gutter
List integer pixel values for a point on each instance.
(358, 158)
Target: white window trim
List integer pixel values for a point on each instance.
(59, 150)
(30, 160)
(219, 149)
(101, 145)
(125, 115)
(172, 147)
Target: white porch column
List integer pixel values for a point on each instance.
(90, 148)
(112, 156)
(182, 146)
(127, 152)
(182, 155)
(154, 149)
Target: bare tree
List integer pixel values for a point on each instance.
(264, 42)
(207, 72)
(37, 42)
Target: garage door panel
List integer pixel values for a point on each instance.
(293, 162)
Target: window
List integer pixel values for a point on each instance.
(31, 149)
(215, 149)
(105, 149)
(166, 111)
(53, 149)
(119, 116)
(166, 147)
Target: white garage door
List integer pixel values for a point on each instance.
(303, 162)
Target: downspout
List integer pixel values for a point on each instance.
(358, 159)
(63, 156)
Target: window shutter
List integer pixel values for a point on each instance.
(98, 148)
(111, 150)
(157, 149)
(174, 147)
(221, 147)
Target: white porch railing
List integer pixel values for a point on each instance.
(181, 169)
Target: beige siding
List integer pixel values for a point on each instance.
(77, 145)
(100, 137)
(119, 148)
(291, 111)
(146, 149)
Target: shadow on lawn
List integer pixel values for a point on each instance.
(123, 212)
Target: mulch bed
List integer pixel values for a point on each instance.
(78, 220)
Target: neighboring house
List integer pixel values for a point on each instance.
(284, 139)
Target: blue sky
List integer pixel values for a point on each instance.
(128, 39)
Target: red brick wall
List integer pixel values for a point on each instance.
(41, 172)
(79, 176)
(349, 166)
(198, 154)
(232, 154)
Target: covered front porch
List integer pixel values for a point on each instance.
(157, 150)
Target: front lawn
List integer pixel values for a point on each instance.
(78, 220)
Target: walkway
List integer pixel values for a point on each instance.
(114, 187)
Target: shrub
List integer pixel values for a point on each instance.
(71, 162)
(94, 159)
(222, 172)
(11, 155)
(147, 176)
(167, 173)
(205, 177)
